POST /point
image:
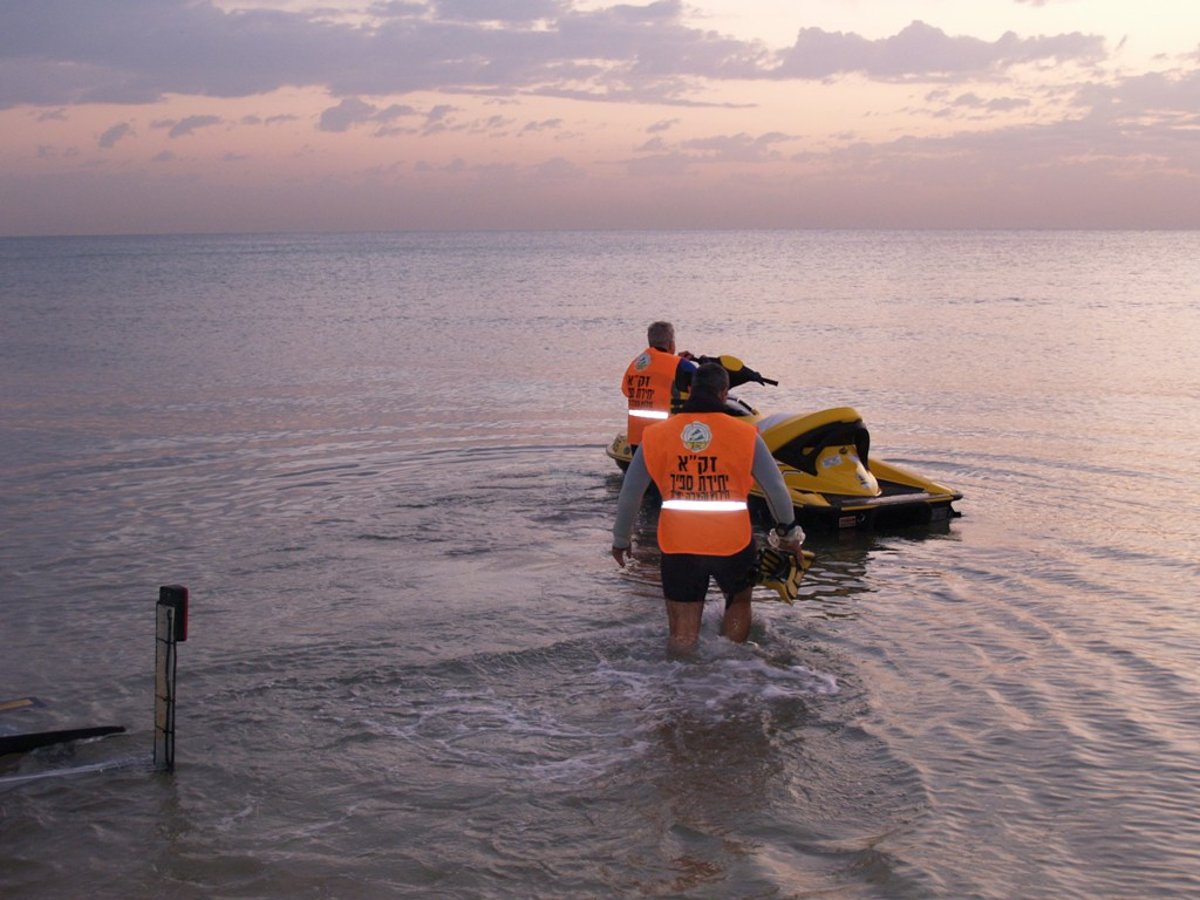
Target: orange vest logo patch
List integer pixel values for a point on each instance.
(696, 436)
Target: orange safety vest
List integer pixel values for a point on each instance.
(648, 383)
(703, 466)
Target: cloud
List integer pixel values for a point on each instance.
(115, 133)
(559, 169)
(658, 157)
(995, 104)
(1151, 97)
(521, 11)
(396, 111)
(492, 124)
(354, 111)
(654, 145)
(68, 52)
(543, 125)
(438, 119)
(948, 103)
(665, 164)
(922, 51)
(188, 125)
(736, 148)
(350, 112)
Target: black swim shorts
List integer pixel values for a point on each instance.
(685, 575)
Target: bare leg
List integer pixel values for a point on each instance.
(683, 624)
(736, 624)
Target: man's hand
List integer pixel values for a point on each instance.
(790, 542)
(618, 554)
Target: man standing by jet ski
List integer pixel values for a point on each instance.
(655, 378)
(704, 462)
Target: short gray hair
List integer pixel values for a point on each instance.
(660, 335)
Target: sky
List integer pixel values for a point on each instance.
(203, 116)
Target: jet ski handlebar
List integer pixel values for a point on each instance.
(739, 372)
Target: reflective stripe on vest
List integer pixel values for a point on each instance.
(706, 505)
(648, 414)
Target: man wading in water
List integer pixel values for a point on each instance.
(703, 462)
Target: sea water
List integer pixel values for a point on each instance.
(413, 668)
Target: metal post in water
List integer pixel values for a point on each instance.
(172, 613)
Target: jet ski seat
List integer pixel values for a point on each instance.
(797, 440)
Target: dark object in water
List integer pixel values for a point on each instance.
(23, 743)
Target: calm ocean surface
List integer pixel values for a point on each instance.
(377, 463)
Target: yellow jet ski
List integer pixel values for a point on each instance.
(826, 463)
